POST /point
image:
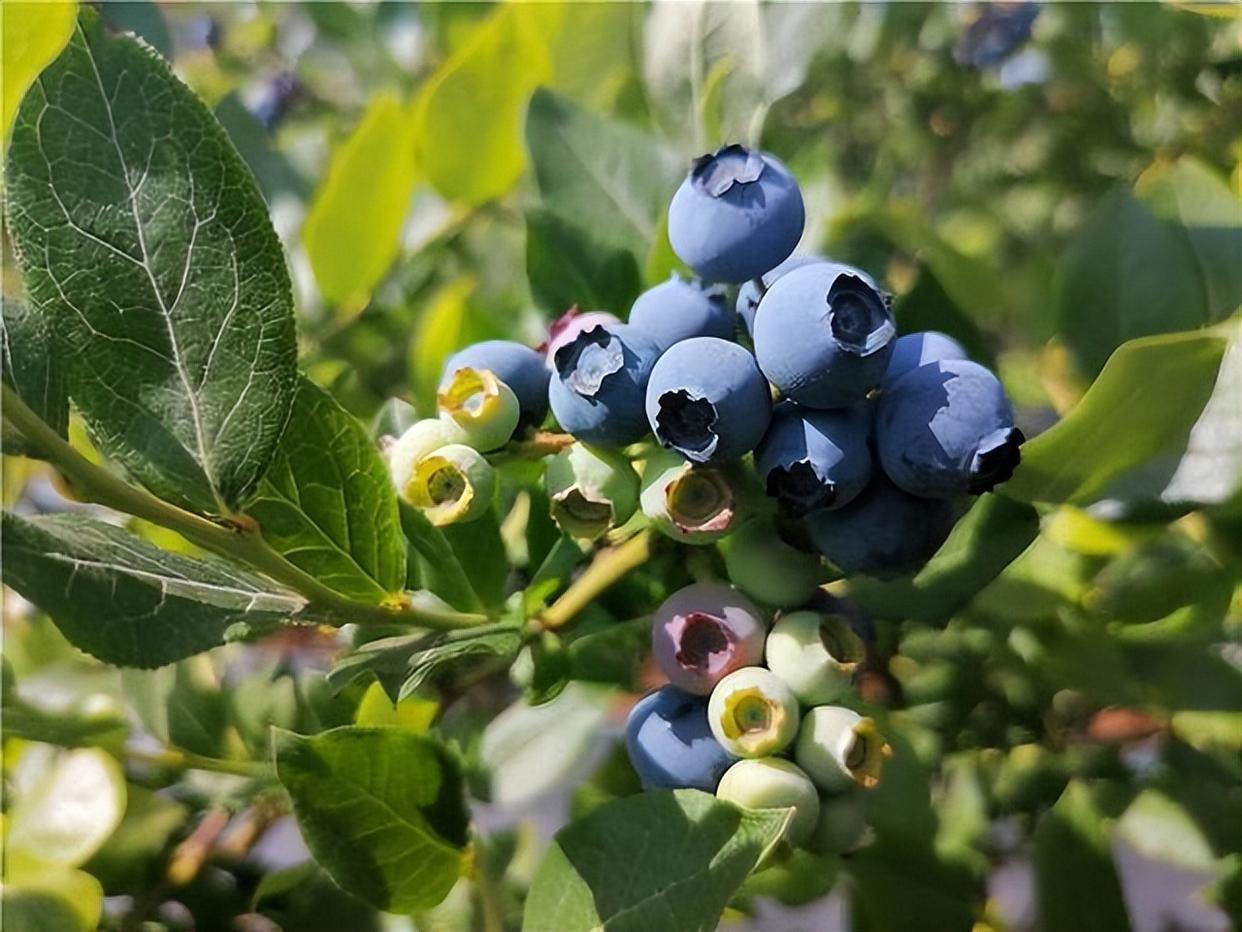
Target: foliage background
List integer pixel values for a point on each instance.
(1067, 693)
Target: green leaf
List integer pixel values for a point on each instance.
(1161, 829)
(567, 265)
(1138, 414)
(445, 654)
(127, 860)
(600, 175)
(34, 33)
(1155, 261)
(124, 601)
(146, 244)
(553, 574)
(651, 862)
(990, 537)
(381, 810)
(438, 334)
(480, 552)
(532, 749)
(70, 811)
(612, 654)
(352, 232)
(439, 569)
(30, 364)
(797, 879)
(51, 900)
(1209, 730)
(328, 504)
(1078, 884)
(181, 704)
(468, 117)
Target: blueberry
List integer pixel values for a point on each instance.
(670, 743)
(884, 532)
(677, 310)
(766, 568)
(703, 632)
(753, 713)
(919, 349)
(707, 400)
(737, 215)
(452, 485)
(484, 407)
(600, 382)
(691, 504)
(842, 825)
(420, 439)
(569, 325)
(945, 429)
(772, 783)
(840, 750)
(823, 335)
(518, 366)
(749, 294)
(592, 490)
(815, 654)
(813, 459)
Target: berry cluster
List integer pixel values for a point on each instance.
(724, 720)
(865, 458)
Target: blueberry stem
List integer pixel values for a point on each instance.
(608, 567)
(237, 538)
(537, 445)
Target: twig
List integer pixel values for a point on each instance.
(607, 568)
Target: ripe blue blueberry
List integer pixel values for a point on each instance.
(670, 742)
(813, 459)
(600, 382)
(569, 325)
(823, 335)
(884, 532)
(707, 400)
(738, 214)
(518, 366)
(676, 310)
(919, 349)
(749, 294)
(704, 631)
(946, 429)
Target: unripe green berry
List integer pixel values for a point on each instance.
(842, 825)
(773, 783)
(452, 485)
(592, 490)
(768, 569)
(420, 439)
(815, 654)
(753, 713)
(484, 407)
(839, 749)
(691, 504)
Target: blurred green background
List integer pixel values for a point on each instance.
(1043, 181)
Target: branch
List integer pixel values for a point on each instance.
(608, 567)
(94, 484)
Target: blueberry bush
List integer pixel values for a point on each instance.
(613, 466)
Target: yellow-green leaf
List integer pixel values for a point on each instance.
(438, 334)
(352, 232)
(34, 34)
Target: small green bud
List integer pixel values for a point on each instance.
(452, 485)
(420, 439)
(753, 713)
(773, 783)
(592, 490)
(766, 568)
(842, 825)
(815, 654)
(484, 407)
(691, 504)
(839, 749)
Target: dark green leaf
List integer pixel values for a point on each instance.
(797, 879)
(439, 569)
(612, 654)
(1159, 261)
(181, 704)
(117, 597)
(327, 503)
(381, 810)
(655, 862)
(567, 265)
(1078, 884)
(127, 862)
(990, 537)
(599, 175)
(553, 574)
(30, 365)
(148, 248)
(500, 643)
(1136, 418)
(927, 306)
(480, 552)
